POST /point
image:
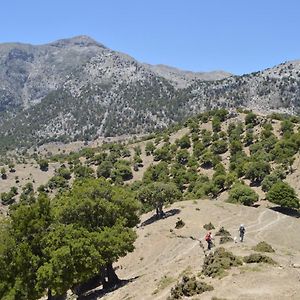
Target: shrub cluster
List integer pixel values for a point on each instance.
(216, 263)
(225, 239)
(209, 226)
(258, 258)
(223, 232)
(263, 247)
(188, 287)
(179, 224)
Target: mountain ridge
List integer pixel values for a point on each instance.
(78, 89)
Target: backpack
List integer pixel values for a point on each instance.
(242, 230)
(207, 237)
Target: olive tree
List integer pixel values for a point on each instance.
(283, 194)
(157, 194)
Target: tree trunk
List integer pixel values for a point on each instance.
(159, 210)
(56, 297)
(112, 278)
(88, 285)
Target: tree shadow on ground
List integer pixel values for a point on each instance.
(287, 211)
(96, 294)
(155, 218)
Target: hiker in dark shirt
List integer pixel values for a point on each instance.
(242, 232)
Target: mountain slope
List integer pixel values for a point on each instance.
(182, 79)
(77, 89)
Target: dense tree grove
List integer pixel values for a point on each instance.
(57, 245)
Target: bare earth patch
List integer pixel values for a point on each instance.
(167, 254)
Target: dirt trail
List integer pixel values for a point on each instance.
(160, 253)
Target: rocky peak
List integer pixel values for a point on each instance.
(80, 40)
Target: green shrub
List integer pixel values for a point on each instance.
(225, 239)
(209, 226)
(263, 247)
(188, 287)
(7, 198)
(44, 165)
(223, 232)
(216, 263)
(283, 194)
(243, 194)
(179, 224)
(184, 142)
(258, 258)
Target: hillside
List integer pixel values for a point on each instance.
(226, 168)
(78, 90)
(163, 254)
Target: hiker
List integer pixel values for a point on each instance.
(242, 232)
(208, 239)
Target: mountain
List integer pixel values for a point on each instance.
(182, 79)
(78, 89)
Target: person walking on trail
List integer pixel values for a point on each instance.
(242, 232)
(208, 239)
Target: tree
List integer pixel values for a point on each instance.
(257, 170)
(221, 113)
(216, 124)
(178, 175)
(105, 214)
(287, 127)
(283, 194)
(251, 118)
(27, 195)
(235, 147)
(126, 152)
(57, 182)
(249, 137)
(7, 198)
(137, 150)
(156, 194)
(243, 194)
(184, 142)
(159, 172)
(198, 148)
(149, 148)
(182, 156)
(3, 173)
(84, 172)
(206, 137)
(163, 154)
(20, 254)
(59, 245)
(11, 167)
(104, 169)
(269, 180)
(219, 183)
(219, 147)
(44, 164)
(64, 172)
(121, 171)
(209, 159)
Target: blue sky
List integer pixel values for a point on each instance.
(233, 35)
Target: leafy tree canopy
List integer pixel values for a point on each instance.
(283, 194)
